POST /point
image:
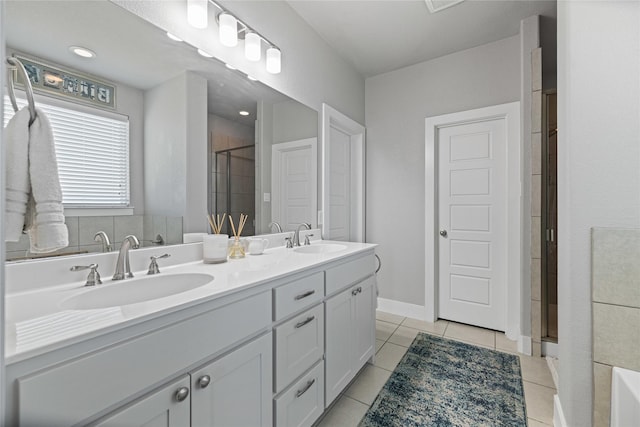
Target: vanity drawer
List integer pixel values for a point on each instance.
(303, 402)
(350, 272)
(68, 393)
(299, 344)
(297, 295)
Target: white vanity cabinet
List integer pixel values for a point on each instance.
(274, 353)
(167, 407)
(235, 390)
(350, 326)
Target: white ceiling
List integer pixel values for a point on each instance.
(129, 50)
(378, 36)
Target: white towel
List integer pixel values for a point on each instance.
(17, 174)
(45, 213)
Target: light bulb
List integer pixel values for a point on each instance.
(173, 37)
(273, 60)
(228, 29)
(197, 15)
(252, 48)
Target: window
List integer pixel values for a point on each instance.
(92, 149)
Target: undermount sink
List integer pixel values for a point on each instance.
(132, 291)
(321, 248)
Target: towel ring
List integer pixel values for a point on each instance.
(15, 64)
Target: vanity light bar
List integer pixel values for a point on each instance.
(231, 29)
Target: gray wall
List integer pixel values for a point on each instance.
(175, 150)
(397, 104)
(293, 121)
(598, 168)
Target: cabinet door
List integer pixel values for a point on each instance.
(235, 390)
(364, 322)
(163, 408)
(339, 344)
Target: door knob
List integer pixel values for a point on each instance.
(443, 233)
(182, 394)
(204, 381)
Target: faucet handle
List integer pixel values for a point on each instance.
(93, 278)
(307, 242)
(153, 267)
(289, 241)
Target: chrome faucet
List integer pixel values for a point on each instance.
(102, 237)
(296, 235)
(276, 225)
(123, 269)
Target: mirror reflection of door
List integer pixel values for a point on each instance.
(294, 183)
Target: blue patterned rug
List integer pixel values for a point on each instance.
(441, 383)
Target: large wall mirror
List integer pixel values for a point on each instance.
(260, 145)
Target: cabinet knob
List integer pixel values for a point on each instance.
(182, 394)
(204, 381)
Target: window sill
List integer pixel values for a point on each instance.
(98, 211)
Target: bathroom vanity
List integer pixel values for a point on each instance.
(265, 340)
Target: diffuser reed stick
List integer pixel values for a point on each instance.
(216, 223)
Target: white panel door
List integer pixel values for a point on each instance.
(472, 197)
(339, 193)
(294, 183)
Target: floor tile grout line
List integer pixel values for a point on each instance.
(541, 385)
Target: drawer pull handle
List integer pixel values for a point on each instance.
(204, 381)
(302, 296)
(182, 394)
(304, 322)
(356, 291)
(306, 387)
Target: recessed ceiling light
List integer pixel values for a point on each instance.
(82, 51)
(205, 54)
(231, 67)
(172, 37)
(244, 113)
(252, 78)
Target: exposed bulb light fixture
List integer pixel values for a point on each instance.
(228, 29)
(252, 47)
(197, 15)
(244, 113)
(274, 63)
(253, 79)
(229, 66)
(174, 38)
(204, 53)
(82, 51)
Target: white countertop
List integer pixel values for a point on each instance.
(36, 323)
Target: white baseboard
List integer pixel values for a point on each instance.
(558, 415)
(400, 308)
(524, 345)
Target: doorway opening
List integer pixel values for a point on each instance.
(550, 218)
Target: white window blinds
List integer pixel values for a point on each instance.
(92, 152)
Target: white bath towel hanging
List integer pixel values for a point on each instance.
(45, 213)
(17, 174)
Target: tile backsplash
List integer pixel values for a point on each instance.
(82, 229)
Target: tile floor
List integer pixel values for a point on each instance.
(394, 334)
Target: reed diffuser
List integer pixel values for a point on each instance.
(216, 223)
(214, 249)
(237, 250)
